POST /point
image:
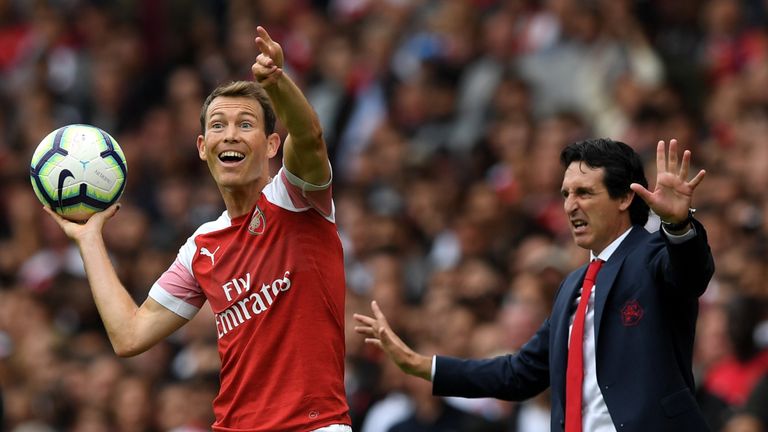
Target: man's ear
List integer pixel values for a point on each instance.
(201, 148)
(273, 144)
(626, 200)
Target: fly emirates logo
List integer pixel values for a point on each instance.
(251, 305)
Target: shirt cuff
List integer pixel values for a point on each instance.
(434, 365)
(680, 238)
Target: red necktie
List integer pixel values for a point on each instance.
(574, 374)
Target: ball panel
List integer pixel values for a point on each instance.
(82, 142)
(44, 198)
(79, 212)
(100, 175)
(114, 153)
(45, 146)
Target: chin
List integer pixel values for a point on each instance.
(582, 243)
(229, 182)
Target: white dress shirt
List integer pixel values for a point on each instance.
(594, 412)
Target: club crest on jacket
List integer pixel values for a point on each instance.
(631, 313)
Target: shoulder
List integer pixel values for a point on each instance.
(189, 248)
(217, 224)
(639, 244)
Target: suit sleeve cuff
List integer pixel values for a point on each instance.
(680, 238)
(434, 367)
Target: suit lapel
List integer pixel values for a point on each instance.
(563, 309)
(606, 278)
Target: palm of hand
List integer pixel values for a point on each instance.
(671, 198)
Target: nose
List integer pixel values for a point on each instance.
(231, 134)
(570, 204)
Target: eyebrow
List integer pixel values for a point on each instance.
(579, 190)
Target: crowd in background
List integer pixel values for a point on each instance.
(444, 121)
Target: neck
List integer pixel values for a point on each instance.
(620, 232)
(240, 200)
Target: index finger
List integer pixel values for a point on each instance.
(378, 313)
(262, 32)
(57, 217)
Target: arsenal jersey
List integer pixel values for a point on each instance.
(275, 281)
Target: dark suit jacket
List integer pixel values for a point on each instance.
(646, 305)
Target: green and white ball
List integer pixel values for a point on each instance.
(78, 170)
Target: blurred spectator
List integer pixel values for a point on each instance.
(758, 399)
(733, 378)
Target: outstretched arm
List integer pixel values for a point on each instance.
(673, 193)
(377, 332)
(304, 151)
(131, 329)
(507, 377)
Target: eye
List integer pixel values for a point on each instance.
(217, 125)
(246, 125)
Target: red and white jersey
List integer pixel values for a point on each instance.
(275, 281)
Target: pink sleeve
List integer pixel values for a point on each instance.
(177, 290)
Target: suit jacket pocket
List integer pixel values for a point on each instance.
(678, 402)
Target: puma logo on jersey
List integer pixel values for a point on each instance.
(209, 254)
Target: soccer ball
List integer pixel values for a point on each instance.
(78, 170)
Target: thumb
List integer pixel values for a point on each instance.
(641, 191)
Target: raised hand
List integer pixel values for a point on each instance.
(80, 232)
(268, 66)
(377, 332)
(673, 193)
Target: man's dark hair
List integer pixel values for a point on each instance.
(247, 89)
(622, 167)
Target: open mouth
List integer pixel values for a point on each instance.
(231, 156)
(579, 225)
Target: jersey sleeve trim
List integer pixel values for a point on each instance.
(284, 192)
(174, 304)
(306, 186)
